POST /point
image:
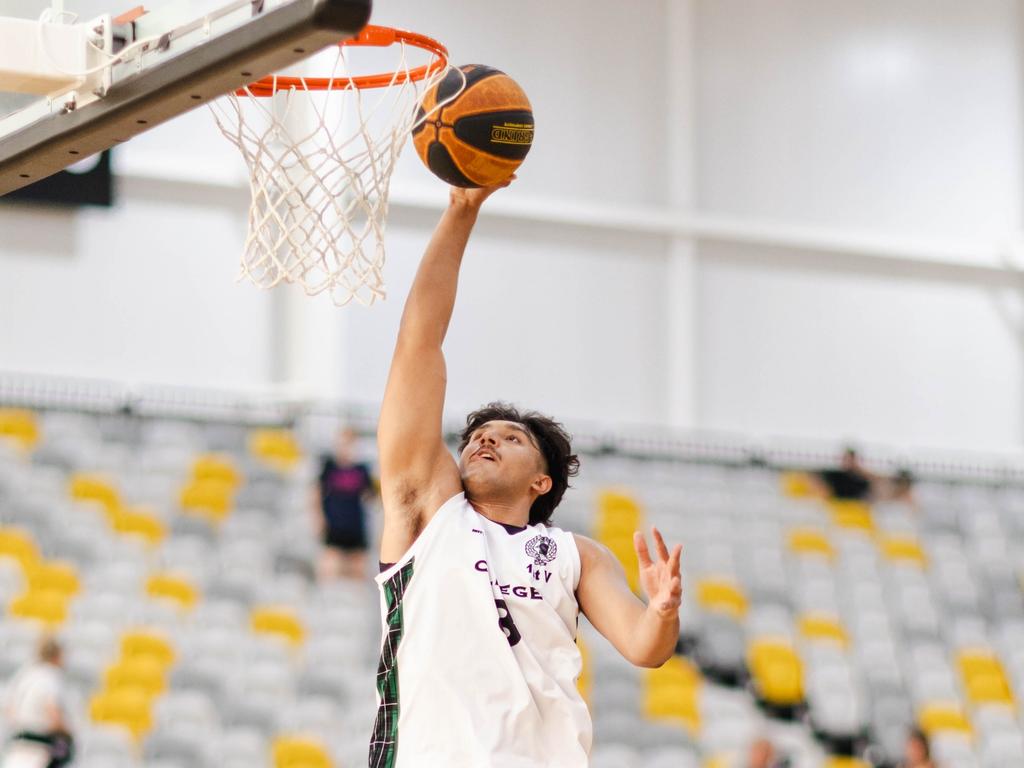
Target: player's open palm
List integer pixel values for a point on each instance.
(660, 576)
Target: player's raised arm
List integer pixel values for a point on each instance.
(645, 635)
(417, 472)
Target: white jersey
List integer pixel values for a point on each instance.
(479, 662)
(30, 696)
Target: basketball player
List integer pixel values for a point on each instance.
(480, 597)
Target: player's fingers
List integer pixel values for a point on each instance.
(640, 545)
(660, 543)
(676, 587)
(673, 562)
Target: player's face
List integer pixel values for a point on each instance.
(500, 455)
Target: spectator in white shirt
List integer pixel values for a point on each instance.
(36, 713)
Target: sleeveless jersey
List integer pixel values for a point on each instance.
(478, 662)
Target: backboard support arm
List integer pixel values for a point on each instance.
(273, 40)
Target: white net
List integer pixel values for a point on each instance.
(320, 164)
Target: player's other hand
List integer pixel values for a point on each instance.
(660, 576)
(474, 197)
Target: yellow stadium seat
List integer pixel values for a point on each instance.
(137, 522)
(985, 680)
(53, 575)
(148, 645)
(127, 707)
(797, 485)
(674, 672)
(680, 704)
(583, 682)
(845, 762)
(280, 622)
(276, 447)
(212, 466)
(989, 689)
(855, 515)
(618, 501)
(942, 717)
(978, 662)
(816, 627)
(90, 487)
(212, 499)
(610, 528)
(903, 549)
(144, 673)
(722, 597)
(618, 517)
(808, 541)
(47, 606)
(616, 524)
(18, 545)
(776, 671)
(298, 752)
(166, 586)
(19, 426)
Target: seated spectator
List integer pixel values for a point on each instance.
(36, 713)
(900, 488)
(916, 752)
(342, 486)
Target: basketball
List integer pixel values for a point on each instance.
(482, 136)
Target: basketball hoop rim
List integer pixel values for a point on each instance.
(371, 36)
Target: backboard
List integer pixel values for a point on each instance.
(88, 86)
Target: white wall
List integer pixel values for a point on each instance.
(803, 345)
(890, 116)
(143, 292)
(871, 117)
(564, 320)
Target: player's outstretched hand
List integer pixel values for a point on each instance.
(474, 197)
(660, 577)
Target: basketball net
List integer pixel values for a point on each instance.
(320, 154)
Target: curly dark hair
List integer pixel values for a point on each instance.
(554, 443)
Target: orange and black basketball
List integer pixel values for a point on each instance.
(480, 137)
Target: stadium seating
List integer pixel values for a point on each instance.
(174, 559)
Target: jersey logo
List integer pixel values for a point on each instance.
(542, 549)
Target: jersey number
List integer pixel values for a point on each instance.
(507, 625)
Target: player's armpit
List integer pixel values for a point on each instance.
(410, 501)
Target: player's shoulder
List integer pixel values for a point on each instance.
(591, 551)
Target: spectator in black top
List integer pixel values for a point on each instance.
(342, 490)
(850, 481)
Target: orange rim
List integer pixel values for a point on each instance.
(372, 35)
